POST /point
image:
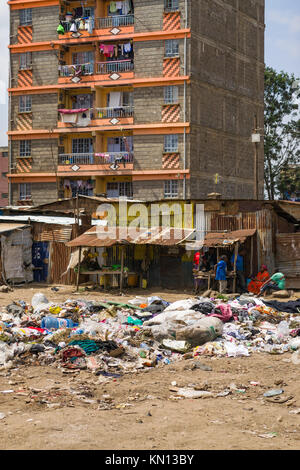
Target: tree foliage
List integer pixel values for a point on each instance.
(282, 125)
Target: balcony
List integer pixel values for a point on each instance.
(101, 159)
(109, 70)
(76, 70)
(109, 113)
(96, 117)
(114, 66)
(114, 21)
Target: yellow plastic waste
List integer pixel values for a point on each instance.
(55, 310)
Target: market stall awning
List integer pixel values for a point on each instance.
(227, 238)
(108, 236)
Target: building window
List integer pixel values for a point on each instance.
(25, 60)
(4, 174)
(82, 146)
(79, 58)
(170, 94)
(123, 188)
(4, 195)
(25, 148)
(171, 143)
(26, 17)
(5, 154)
(171, 189)
(25, 104)
(171, 48)
(24, 191)
(171, 5)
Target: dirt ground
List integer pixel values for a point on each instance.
(48, 408)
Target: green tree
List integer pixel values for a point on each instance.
(282, 127)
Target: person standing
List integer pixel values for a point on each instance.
(240, 270)
(221, 272)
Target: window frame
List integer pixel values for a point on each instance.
(27, 62)
(88, 141)
(171, 143)
(25, 107)
(26, 194)
(26, 152)
(171, 97)
(170, 45)
(25, 17)
(171, 189)
(171, 5)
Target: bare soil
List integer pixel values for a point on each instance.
(50, 408)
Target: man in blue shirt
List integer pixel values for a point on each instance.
(240, 270)
(221, 270)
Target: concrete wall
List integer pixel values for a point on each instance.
(227, 85)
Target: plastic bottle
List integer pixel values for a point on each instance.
(50, 323)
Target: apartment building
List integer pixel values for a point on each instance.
(150, 99)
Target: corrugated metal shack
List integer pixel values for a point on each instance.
(275, 243)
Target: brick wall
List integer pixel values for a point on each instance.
(148, 103)
(227, 65)
(45, 22)
(3, 178)
(149, 149)
(41, 193)
(152, 190)
(44, 154)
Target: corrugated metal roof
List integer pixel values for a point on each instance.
(227, 238)
(9, 227)
(98, 236)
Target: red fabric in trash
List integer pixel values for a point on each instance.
(225, 315)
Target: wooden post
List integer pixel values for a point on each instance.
(122, 268)
(236, 249)
(78, 273)
(251, 259)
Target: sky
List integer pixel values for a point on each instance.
(282, 46)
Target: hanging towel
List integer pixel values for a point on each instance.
(112, 7)
(127, 47)
(73, 28)
(115, 99)
(126, 7)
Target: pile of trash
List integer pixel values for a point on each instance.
(112, 338)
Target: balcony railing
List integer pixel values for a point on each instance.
(76, 69)
(108, 113)
(115, 21)
(105, 158)
(116, 66)
(102, 68)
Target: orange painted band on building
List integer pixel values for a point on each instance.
(32, 47)
(21, 4)
(100, 123)
(28, 135)
(32, 178)
(138, 129)
(137, 37)
(135, 82)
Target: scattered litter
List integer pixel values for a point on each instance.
(273, 393)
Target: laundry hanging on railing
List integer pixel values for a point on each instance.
(80, 117)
